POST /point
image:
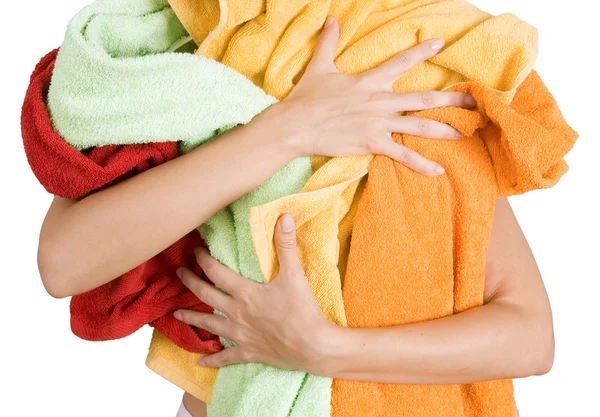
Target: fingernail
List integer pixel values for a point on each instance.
(470, 101)
(439, 170)
(287, 223)
(437, 44)
(329, 21)
(179, 272)
(201, 362)
(458, 135)
(178, 315)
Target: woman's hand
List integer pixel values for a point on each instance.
(276, 323)
(280, 324)
(332, 114)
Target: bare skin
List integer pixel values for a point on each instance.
(88, 242)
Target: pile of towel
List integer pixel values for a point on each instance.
(436, 228)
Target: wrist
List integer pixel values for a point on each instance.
(278, 126)
(328, 357)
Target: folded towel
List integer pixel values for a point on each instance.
(146, 294)
(272, 45)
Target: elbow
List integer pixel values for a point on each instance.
(537, 351)
(545, 356)
(53, 273)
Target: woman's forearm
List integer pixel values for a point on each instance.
(86, 243)
(510, 336)
(496, 341)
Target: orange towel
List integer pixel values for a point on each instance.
(419, 244)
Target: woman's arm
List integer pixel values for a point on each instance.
(86, 243)
(510, 336)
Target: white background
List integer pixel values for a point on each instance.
(46, 371)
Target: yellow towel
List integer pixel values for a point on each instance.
(271, 43)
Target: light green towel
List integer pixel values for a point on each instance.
(116, 81)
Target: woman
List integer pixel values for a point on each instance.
(330, 114)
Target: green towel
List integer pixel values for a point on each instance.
(117, 81)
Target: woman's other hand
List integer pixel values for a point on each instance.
(278, 323)
(332, 114)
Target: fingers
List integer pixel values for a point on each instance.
(428, 100)
(225, 357)
(410, 159)
(218, 273)
(425, 128)
(391, 70)
(285, 245)
(204, 291)
(215, 324)
(322, 59)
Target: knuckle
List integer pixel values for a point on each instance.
(406, 157)
(458, 100)
(210, 269)
(246, 356)
(233, 314)
(246, 298)
(404, 60)
(201, 292)
(378, 96)
(286, 243)
(423, 126)
(375, 120)
(238, 336)
(373, 142)
(428, 98)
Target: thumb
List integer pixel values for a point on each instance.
(322, 59)
(285, 245)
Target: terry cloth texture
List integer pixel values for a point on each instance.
(438, 231)
(146, 294)
(521, 143)
(115, 82)
(99, 96)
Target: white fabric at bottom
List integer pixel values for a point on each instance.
(182, 412)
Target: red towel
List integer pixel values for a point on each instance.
(147, 294)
